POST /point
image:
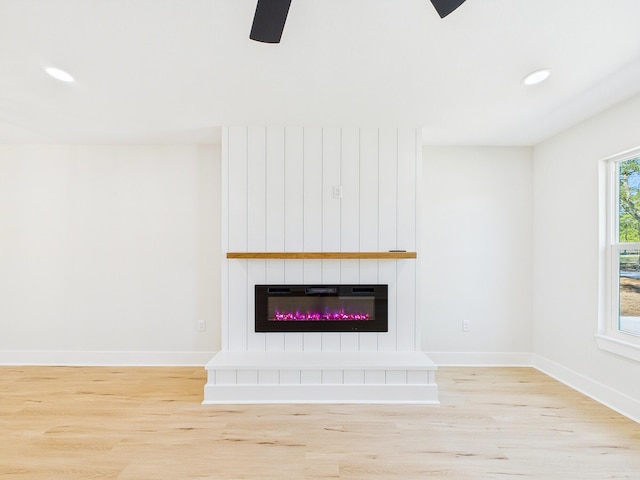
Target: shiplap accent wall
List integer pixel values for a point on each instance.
(278, 195)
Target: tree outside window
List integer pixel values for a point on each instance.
(628, 250)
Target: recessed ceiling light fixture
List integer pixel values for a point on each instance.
(536, 77)
(59, 74)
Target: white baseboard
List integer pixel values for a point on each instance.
(364, 394)
(617, 401)
(481, 359)
(106, 358)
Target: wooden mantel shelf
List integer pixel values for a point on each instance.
(322, 255)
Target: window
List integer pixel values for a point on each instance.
(619, 329)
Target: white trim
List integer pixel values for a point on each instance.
(105, 358)
(622, 156)
(619, 347)
(609, 337)
(613, 399)
(481, 359)
(361, 394)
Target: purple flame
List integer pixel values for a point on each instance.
(339, 315)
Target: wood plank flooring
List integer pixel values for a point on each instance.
(147, 423)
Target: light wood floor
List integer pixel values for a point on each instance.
(147, 423)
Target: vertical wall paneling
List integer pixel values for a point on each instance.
(405, 305)
(312, 218)
(388, 189)
(256, 275)
(274, 205)
(238, 306)
(256, 185)
(278, 195)
(388, 223)
(350, 182)
(312, 195)
(293, 190)
(275, 189)
(256, 225)
(331, 161)
(406, 186)
(387, 274)
(368, 214)
(294, 216)
(350, 218)
(238, 234)
(237, 184)
(369, 194)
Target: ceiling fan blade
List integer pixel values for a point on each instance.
(269, 20)
(445, 7)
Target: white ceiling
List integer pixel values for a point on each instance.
(173, 71)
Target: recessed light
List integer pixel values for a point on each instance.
(537, 76)
(59, 74)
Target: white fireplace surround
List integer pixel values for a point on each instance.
(320, 190)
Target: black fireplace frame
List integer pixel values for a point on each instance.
(379, 322)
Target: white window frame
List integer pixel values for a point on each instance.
(609, 336)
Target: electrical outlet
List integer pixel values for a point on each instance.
(202, 325)
(337, 192)
(466, 325)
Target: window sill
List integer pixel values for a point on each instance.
(619, 347)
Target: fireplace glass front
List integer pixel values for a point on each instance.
(321, 308)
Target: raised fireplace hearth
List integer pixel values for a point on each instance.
(283, 224)
(359, 370)
(321, 377)
(321, 308)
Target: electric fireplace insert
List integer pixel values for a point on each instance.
(321, 308)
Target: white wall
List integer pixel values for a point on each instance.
(280, 198)
(476, 254)
(109, 254)
(566, 257)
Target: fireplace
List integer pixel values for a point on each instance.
(355, 364)
(321, 308)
